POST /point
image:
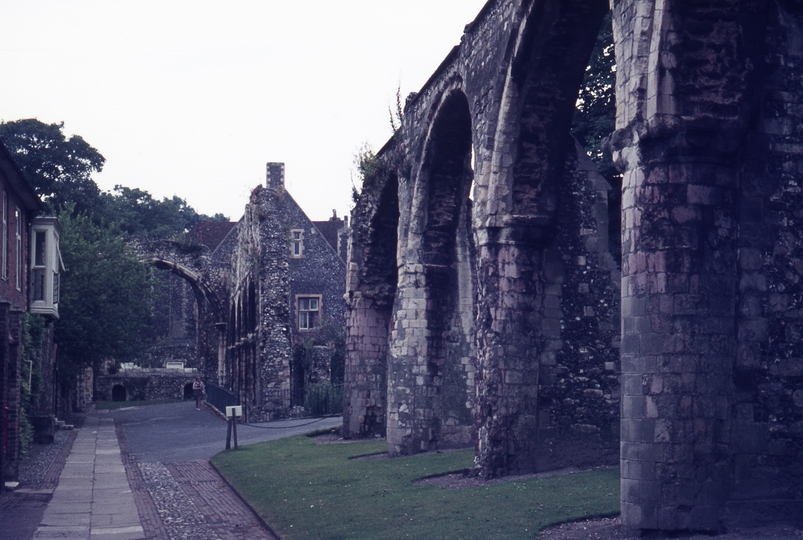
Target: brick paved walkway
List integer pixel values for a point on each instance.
(186, 500)
(189, 500)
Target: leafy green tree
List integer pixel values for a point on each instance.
(136, 212)
(59, 168)
(104, 307)
(595, 115)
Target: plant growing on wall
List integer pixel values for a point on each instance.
(33, 327)
(328, 334)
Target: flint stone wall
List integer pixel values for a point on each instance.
(145, 384)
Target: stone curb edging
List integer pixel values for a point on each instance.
(51, 478)
(149, 515)
(264, 523)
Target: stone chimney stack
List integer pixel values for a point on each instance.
(275, 176)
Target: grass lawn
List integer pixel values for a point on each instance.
(305, 491)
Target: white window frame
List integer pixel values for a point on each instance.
(39, 266)
(5, 235)
(18, 248)
(296, 243)
(304, 321)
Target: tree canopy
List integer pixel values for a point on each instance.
(595, 115)
(136, 212)
(595, 119)
(104, 306)
(106, 301)
(59, 168)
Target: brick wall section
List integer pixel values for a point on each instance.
(20, 203)
(10, 325)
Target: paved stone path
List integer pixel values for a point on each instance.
(93, 498)
(108, 491)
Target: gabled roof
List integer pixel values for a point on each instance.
(211, 233)
(329, 229)
(17, 181)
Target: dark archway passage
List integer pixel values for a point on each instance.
(528, 251)
(371, 289)
(448, 248)
(119, 393)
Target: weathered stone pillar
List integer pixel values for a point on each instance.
(680, 119)
(678, 343)
(365, 384)
(410, 389)
(511, 337)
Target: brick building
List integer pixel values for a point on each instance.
(18, 204)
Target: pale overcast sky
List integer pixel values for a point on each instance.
(193, 97)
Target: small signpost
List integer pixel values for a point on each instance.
(232, 413)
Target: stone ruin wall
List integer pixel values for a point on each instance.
(412, 336)
(708, 111)
(708, 137)
(191, 265)
(260, 341)
(175, 324)
(145, 384)
(370, 291)
(241, 292)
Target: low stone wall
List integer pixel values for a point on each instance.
(144, 385)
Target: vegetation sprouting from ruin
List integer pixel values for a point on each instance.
(33, 327)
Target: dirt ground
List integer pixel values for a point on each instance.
(611, 529)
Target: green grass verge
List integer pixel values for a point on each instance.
(121, 404)
(305, 490)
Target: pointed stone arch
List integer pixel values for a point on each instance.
(206, 281)
(434, 323)
(371, 283)
(522, 257)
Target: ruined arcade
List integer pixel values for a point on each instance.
(485, 307)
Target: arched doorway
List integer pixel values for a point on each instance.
(525, 263)
(119, 393)
(448, 246)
